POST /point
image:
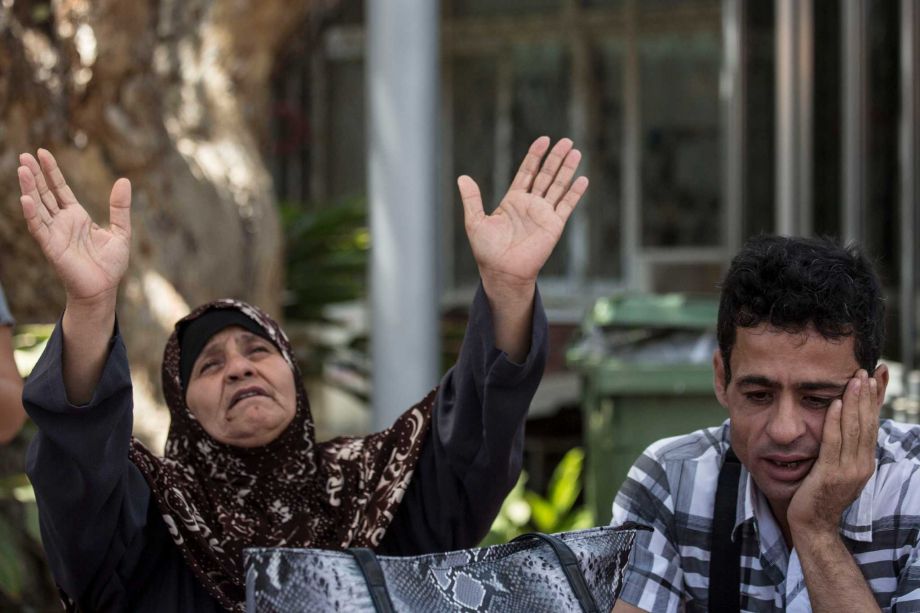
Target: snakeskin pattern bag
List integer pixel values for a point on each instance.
(570, 571)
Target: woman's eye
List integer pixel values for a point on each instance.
(207, 366)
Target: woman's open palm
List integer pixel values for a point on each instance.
(89, 260)
(514, 242)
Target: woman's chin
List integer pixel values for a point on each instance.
(253, 427)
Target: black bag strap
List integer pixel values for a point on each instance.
(373, 574)
(569, 566)
(725, 554)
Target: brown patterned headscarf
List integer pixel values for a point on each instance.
(217, 499)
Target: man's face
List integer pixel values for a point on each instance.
(781, 387)
(241, 389)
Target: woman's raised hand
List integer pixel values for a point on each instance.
(513, 243)
(89, 260)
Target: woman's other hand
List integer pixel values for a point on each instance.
(513, 243)
(89, 260)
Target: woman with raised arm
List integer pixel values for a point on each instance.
(127, 530)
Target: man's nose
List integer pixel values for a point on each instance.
(786, 423)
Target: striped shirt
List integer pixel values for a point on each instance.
(672, 488)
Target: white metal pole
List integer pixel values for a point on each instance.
(402, 77)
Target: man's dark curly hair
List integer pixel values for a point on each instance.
(791, 283)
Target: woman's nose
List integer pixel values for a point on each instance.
(238, 366)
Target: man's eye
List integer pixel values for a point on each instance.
(759, 397)
(818, 402)
(259, 349)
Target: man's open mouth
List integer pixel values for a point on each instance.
(791, 468)
(787, 464)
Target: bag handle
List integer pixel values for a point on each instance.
(725, 554)
(373, 575)
(377, 587)
(569, 566)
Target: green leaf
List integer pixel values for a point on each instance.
(31, 520)
(565, 484)
(542, 513)
(10, 483)
(577, 520)
(10, 565)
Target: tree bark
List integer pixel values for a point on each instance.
(172, 94)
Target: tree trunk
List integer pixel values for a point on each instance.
(173, 95)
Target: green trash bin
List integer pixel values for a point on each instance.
(646, 367)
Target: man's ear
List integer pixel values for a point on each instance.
(718, 377)
(882, 376)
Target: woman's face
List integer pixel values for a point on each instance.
(241, 389)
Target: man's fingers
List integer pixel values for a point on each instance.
(564, 176)
(550, 167)
(850, 427)
(56, 180)
(120, 207)
(829, 453)
(571, 198)
(528, 170)
(46, 197)
(869, 420)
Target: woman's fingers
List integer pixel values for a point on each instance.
(472, 200)
(550, 167)
(46, 197)
(531, 164)
(29, 189)
(58, 185)
(120, 207)
(563, 177)
(37, 227)
(571, 198)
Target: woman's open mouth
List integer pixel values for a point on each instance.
(246, 392)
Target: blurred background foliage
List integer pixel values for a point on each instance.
(326, 255)
(527, 511)
(327, 248)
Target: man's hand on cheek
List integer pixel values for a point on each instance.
(845, 462)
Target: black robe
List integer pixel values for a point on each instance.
(109, 549)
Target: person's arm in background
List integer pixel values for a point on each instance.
(12, 415)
